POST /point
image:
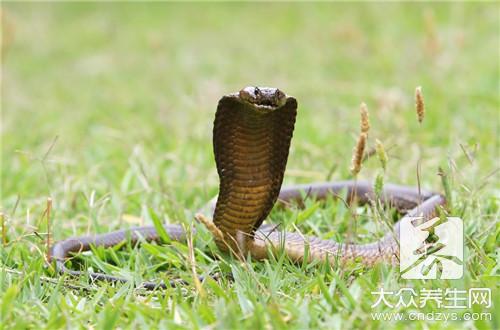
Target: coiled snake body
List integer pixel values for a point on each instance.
(251, 139)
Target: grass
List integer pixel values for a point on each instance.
(108, 109)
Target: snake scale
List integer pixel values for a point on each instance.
(251, 138)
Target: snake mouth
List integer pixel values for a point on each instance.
(262, 99)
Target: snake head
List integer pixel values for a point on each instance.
(264, 99)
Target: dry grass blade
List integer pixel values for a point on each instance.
(219, 235)
(4, 229)
(467, 154)
(49, 209)
(446, 186)
(192, 263)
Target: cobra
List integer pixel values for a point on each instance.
(251, 139)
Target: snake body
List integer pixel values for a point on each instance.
(252, 134)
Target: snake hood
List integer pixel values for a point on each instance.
(251, 138)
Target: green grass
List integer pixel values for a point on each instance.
(108, 110)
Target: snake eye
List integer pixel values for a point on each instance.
(257, 91)
(279, 94)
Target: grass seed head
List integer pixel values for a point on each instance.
(365, 122)
(419, 104)
(212, 228)
(381, 154)
(378, 185)
(357, 154)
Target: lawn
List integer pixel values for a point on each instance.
(108, 109)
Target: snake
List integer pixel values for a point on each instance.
(252, 133)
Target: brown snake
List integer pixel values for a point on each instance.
(251, 138)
